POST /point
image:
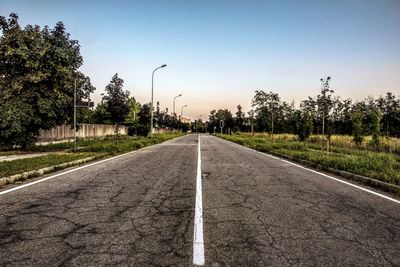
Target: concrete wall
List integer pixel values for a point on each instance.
(64, 132)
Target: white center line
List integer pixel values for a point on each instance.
(198, 243)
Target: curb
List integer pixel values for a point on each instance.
(355, 177)
(39, 172)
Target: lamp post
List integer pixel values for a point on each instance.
(182, 110)
(174, 104)
(151, 107)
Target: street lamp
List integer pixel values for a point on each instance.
(182, 110)
(174, 104)
(151, 107)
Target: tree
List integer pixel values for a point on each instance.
(38, 68)
(310, 105)
(358, 129)
(134, 109)
(144, 119)
(266, 103)
(304, 124)
(215, 119)
(101, 115)
(325, 103)
(376, 127)
(389, 106)
(116, 101)
(251, 120)
(240, 117)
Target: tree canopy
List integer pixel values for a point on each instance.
(38, 67)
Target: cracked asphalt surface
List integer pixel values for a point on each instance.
(138, 210)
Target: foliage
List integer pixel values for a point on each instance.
(239, 120)
(38, 68)
(304, 124)
(267, 105)
(375, 127)
(133, 114)
(358, 130)
(101, 115)
(116, 101)
(324, 113)
(215, 118)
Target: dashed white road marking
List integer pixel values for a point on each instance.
(320, 173)
(198, 242)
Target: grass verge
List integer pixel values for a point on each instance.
(377, 165)
(105, 147)
(8, 168)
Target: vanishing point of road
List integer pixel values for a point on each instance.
(196, 199)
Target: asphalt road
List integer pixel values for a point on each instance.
(139, 209)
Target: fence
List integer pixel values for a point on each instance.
(64, 132)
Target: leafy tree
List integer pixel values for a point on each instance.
(215, 119)
(134, 109)
(310, 105)
(38, 68)
(101, 115)
(341, 116)
(358, 129)
(144, 120)
(266, 103)
(389, 106)
(199, 126)
(376, 127)
(85, 115)
(325, 103)
(240, 117)
(251, 120)
(116, 101)
(304, 124)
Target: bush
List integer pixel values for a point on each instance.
(139, 130)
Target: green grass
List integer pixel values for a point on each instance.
(126, 144)
(8, 168)
(100, 147)
(378, 165)
(388, 144)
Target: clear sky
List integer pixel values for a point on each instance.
(218, 52)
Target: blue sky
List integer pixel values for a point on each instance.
(219, 52)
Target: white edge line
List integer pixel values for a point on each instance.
(79, 168)
(198, 242)
(317, 172)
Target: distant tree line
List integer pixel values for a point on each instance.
(323, 114)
